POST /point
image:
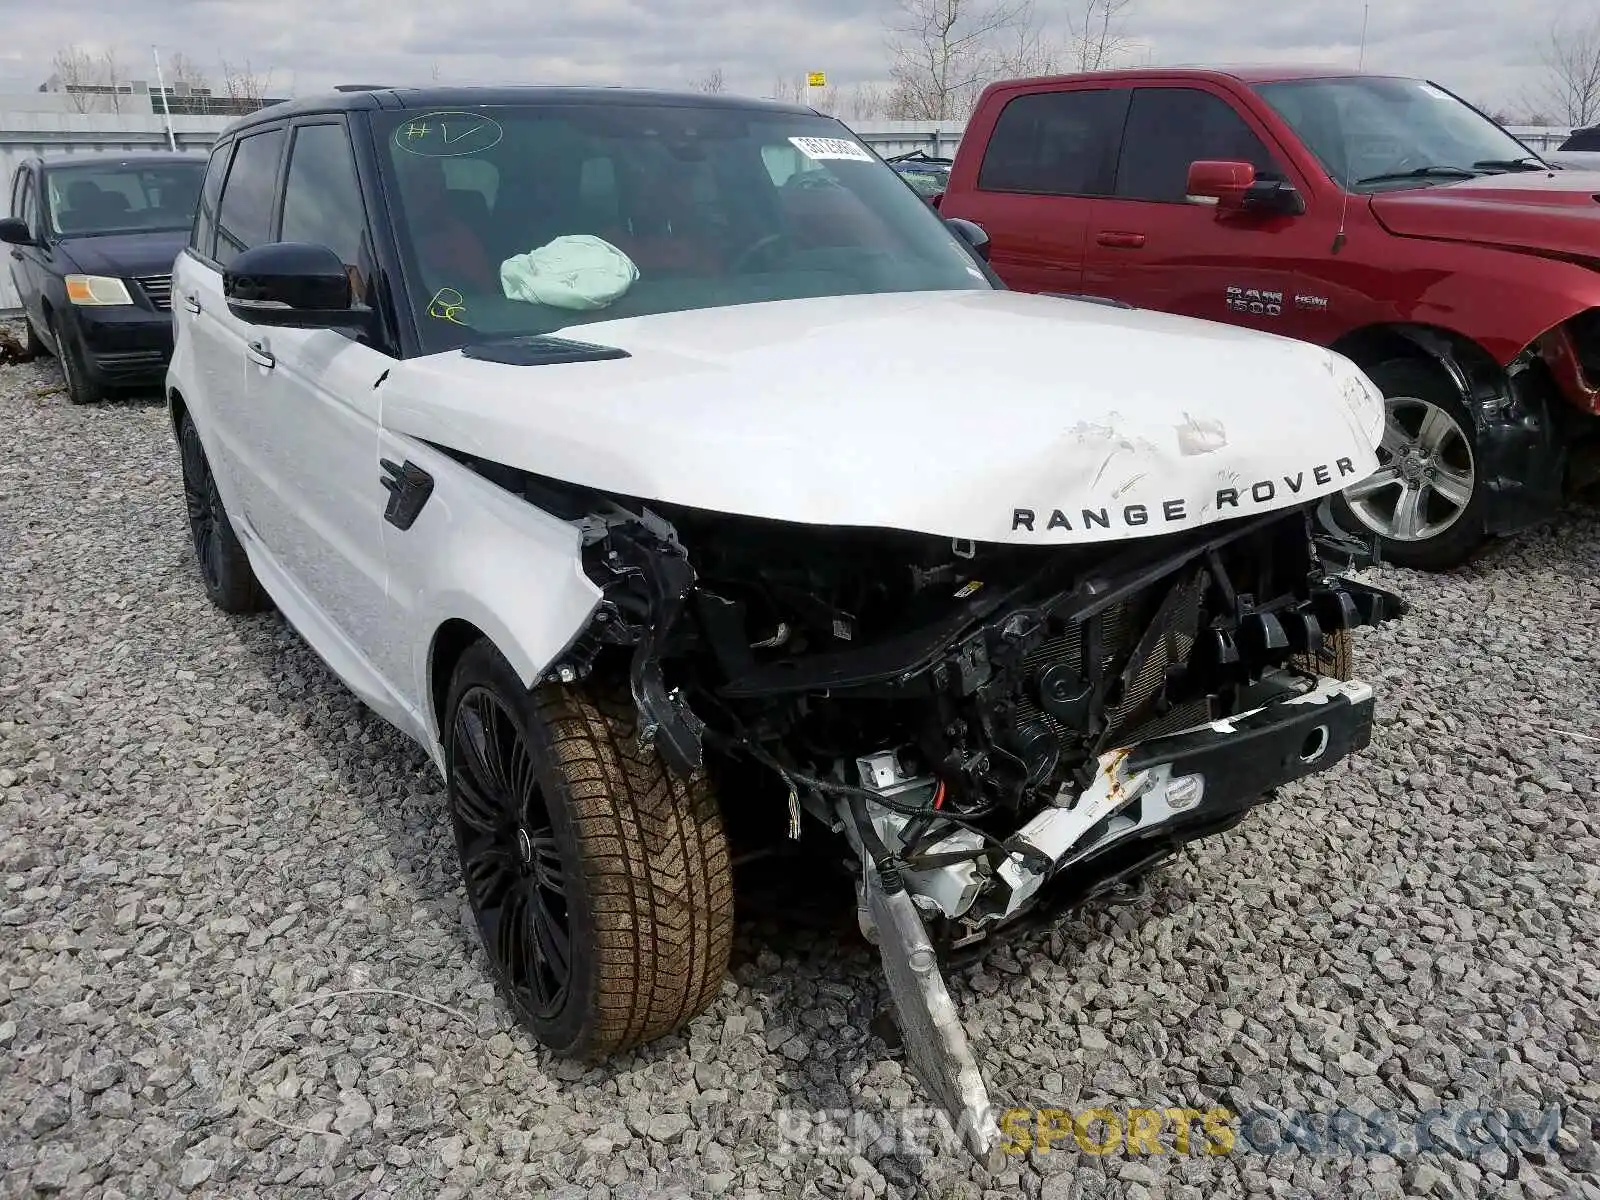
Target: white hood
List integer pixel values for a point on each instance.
(991, 416)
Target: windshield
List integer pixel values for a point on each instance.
(523, 220)
(1374, 133)
(123, 199)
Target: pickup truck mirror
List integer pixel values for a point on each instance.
(293, 285)
(1233, 187)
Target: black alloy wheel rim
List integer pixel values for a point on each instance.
(510, 863)
(205, 508)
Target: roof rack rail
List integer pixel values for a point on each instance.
(361, 87)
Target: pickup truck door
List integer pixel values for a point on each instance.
(1047, 158)
(1150, 246)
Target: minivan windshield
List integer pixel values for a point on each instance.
(90, 200)
(1374, 133)
(525, 219)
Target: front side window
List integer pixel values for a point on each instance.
(244, 214)
(89, 200)
(1381, 133)
(1583, 139)
(507, 214)
(1170, 128)
(1054, 144)
(29, 204)
(322, 198)
(202, 238)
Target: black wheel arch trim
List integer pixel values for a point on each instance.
(1517, 430)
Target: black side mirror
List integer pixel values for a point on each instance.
(1273, 196)
(14, 230)
(292, 285)
(972, 234)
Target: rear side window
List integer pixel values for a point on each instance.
(1169, 128)
(1054, 143)
(244, 215)
(202, 238)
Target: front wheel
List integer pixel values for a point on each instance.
(36, 347)
(599, 881)
(82, 385)
(1425, 500)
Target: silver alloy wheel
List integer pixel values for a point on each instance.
(1425, 474)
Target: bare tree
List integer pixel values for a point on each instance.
(111, 76)
(1099, 33)
(183, 69)
(944, 51)
(1570, 90)
(711, 82)
(859, 102)
(242, 84)
(790, 90)
(76, 70)
(1027, 50)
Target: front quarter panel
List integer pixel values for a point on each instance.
(479, 554)
(1501, 299)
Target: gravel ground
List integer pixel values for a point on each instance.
(234, 960)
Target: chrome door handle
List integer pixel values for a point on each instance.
(260, 355)
(191, 304)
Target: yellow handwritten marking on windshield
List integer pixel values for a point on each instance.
(447, 133)
(448, 305)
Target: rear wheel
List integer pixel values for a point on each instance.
(224, 567)
(1425, 500)
(599, 881)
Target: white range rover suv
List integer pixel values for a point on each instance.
(586, 435)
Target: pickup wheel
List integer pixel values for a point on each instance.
(600, 882)
(1425, 501)
(224, 567)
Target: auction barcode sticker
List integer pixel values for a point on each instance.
(820, 148)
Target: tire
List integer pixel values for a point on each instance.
(82, 386)
(1336, 660)
(609, 866)
(1419, 524)
(36, 347)
(224, 567)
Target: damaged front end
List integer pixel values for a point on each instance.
(996, 730)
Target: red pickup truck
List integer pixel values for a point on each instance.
(1382, 217)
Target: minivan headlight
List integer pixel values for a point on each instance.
(97, 290)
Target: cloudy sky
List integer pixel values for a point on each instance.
(1486, 49)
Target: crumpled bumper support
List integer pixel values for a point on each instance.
(1170, 790)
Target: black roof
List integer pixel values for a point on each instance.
(367, 97)
(139, 158)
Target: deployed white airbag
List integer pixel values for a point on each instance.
(577, 271)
